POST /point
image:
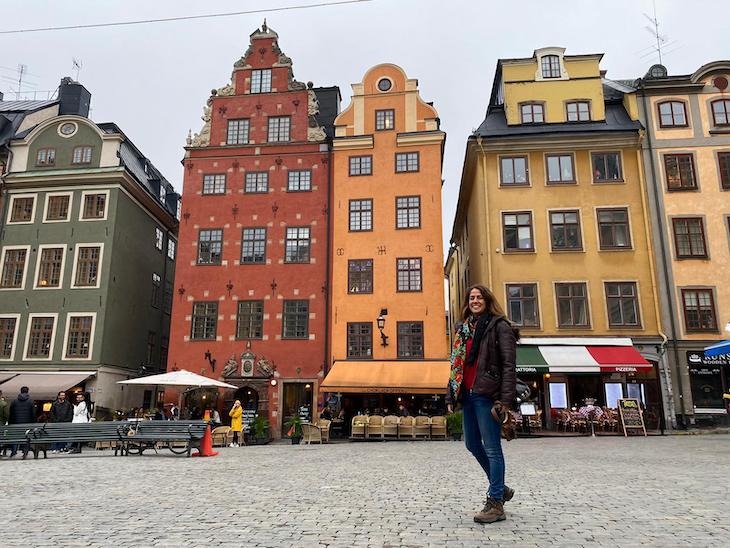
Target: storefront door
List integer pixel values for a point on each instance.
(297, 400)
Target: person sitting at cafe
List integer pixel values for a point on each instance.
(326, 414)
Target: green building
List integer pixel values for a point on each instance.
(87, 261)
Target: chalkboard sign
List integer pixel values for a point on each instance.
(248, 416)
(632, 418)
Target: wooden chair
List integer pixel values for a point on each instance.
(406, 428)
(390, 426)
(359, 425)
(324, 429)
(375, 427)
(222, 436)
(536, 421)
(422, 428)
(310, 433)
(438, 427)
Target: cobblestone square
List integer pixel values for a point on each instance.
(657, 491)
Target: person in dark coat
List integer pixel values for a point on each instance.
(62, 410)
(4, 410)
(22, 411)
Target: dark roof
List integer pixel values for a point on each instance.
(12, 114)
(148, 176)
(329, 107)
(25, 106)
(495, 124)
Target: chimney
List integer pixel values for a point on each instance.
(1, 95)
(74, 98)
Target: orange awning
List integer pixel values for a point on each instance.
(391, 377)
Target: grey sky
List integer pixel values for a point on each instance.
(153, 80)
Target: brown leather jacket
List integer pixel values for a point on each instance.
(496, 372)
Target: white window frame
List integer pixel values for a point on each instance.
(68, 213)
(51, 347)
(171, 245)
(76, 264)
(11, 200)
(15, 336)
(83, 199)
(67, 328)
(25, 269)
(38, 265)
(261, 80)
(159, 239)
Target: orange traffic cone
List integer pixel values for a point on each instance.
(206, 446)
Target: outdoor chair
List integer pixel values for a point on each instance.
(535, 422)
(406, 428)
(390, 426)
(375, 427)
(310, 433)
(222, 436)
(359, 425)
(324, 429)
(438, 427)
(422, 428)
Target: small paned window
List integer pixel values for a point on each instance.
(81, 155)
(606, 167)
(87, 266)
(279, 127)
(171, 249)
(7, 334)
(295, 320)
(261, 81)
(699, 310)
(49, 268)
(672, 114)
(723, 159)
(46, 157)
(57, 208)
(384, 119)
(532, 113)
(237, 132)
(613, 228)
(360, 340)
(210, 246)
(408, 212)
(513, 171)
(41, 336)
(361, 215)
(250, 320)
(204, 321)
(256, 182)
(156, 290)
(22, 210)
(13, 268)
(361, 165)
(410, 339)
(522, 304)
(159, 239)
(680, 170)
(689, 238)
(214, 184)
(550, 65)
(360, 276)
(518, 231)
(94, 206)
(560, 168)
(623, 304)
(578, 111)
(409, 274)
(406, 161)
(299, 181)
(253, 246)
(721, 112)
(565, 230)
(297, 245)
(572, 304)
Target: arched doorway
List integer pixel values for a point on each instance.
(249, 398)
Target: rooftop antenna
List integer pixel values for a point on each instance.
(22, 69)
(654, 31)
(78, 64)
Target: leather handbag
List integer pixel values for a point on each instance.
(502, 415)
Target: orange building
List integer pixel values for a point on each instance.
(387, 325)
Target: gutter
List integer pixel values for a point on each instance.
(328, 272)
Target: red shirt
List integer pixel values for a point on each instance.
(470, 373)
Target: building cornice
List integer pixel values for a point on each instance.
(420, 138)
(353, 143)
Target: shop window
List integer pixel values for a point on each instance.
(558, 395)
(672, 114)
(361, 215)
(565, 230)
(518, 231)
(614, 392)
(606, 167)
(360, 276)
(513, 171)
(360, 340)
(522, 304)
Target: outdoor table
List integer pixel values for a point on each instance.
(591, 413)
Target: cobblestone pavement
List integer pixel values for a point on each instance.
(670, 491)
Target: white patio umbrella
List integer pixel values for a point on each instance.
(180, 378)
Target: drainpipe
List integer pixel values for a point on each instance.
(486, 211)
(328, 262)
(665, 265)
(4, 192)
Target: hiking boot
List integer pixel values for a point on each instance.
(508, 494)
(493, 511)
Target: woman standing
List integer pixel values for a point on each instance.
(81, 414)
(482, 379)
(236, 414)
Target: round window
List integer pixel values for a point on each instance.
(384, 84)
(67, 129)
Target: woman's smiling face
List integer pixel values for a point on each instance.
(477, 304)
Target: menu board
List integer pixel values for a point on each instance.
(248, 416)
(632, 418)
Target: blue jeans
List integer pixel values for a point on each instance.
(483, 437)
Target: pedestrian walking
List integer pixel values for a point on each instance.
(21, 411)
(62, 410)
(483, 380)
(82, 414)
(236, 414)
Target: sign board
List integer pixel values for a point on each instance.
(248, 416)
(527, 409)
(632, 417)
(696, 359)
(304, 413)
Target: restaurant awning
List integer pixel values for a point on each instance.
(579, 355)
(529, 360)
(394, 377)
(719, 349)
(42, 384)
(618, 359)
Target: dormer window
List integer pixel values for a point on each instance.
(550, 65)
(578, 111)
(721, 112)
(261, 81)
(532, 113)
(672, 114)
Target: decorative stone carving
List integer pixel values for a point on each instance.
(316, 134)
(202, 139)
(265, 367)
(226, 90)
(312, 103)
(231, 367)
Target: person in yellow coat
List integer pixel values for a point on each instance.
(236, 414)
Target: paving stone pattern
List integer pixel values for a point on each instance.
(670, 491)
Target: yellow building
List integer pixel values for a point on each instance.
(388, 342)
(552, 216)
(687, 161)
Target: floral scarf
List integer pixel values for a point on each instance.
(458, 357)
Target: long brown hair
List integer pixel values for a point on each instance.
(492, 306)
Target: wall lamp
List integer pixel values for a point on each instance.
(381, 326)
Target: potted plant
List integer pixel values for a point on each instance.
(261, 430)
(455, 424)
(295, 430)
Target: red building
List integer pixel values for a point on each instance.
(250, 301)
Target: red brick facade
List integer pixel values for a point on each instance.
(271, 202)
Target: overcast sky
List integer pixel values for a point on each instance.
(153, 79)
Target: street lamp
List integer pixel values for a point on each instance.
(381, 326)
